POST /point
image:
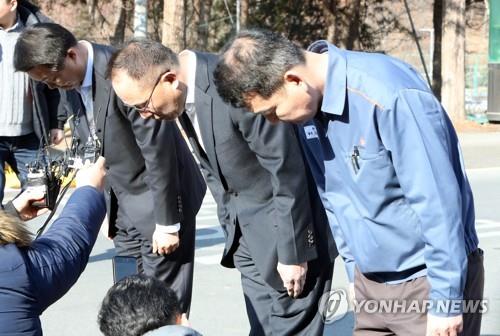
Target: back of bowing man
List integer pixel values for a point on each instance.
(276, 230)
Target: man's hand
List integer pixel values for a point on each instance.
(24, 204)
(165, 243)
(294, 278)
(444, 326)
(183, 321)
(92, 175)
(56, 136)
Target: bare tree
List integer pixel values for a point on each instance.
(330, 13)
(120, 22)
(201, 17)
(245, 6)
(437, 21)
(140, 18)
(91, 8)
(174, 24)
(453, 58)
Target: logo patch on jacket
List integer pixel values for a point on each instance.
(311, 132)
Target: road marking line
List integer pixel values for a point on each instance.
(488, 234)
(208, 260)
(206, 217)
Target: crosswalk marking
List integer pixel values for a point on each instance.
(208, 231)
(488, 234)
(487, 228)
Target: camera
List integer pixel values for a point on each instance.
(40, 179)
(80, 155)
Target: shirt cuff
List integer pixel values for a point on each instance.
(174, 228)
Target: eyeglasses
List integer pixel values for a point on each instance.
(144, 107)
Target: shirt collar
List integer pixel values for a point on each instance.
(87, 80)
(191, 74)
(336, 80)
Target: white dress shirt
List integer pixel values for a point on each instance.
(85, 90)
(191, 84)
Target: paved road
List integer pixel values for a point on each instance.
(218, 305)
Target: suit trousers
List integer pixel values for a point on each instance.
(175, 269)
(273, 312)
(371, 323)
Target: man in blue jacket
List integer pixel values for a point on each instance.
(388, 166)
(34, 275)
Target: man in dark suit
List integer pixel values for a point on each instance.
(154, 191)
(276, 230)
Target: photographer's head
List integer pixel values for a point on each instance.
(145, 75)
(13, 231)
(136, 305)
(49, 53)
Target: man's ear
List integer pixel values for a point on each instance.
(14, 5)
(171, 78)
(292, 77)
(71, 53)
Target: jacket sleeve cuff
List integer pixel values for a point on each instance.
(174, 228)
(10, 209)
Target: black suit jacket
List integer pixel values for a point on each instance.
(256, 172)
(151, 172)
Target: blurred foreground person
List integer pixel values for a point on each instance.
(141, 305)
(36, 273)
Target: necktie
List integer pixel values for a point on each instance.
(191, 133)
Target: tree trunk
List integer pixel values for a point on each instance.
(141, 18)
(437, 21)
(245, 6)
(120, 23)
(453, 58)
(174, 22)
(352, 39)
(201, 17)
(330, 12)
(91, 7)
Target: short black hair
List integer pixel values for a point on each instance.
(136, 305)
(254, 62)
(139, 57)
(43, 44)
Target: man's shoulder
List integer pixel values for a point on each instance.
(102, 55)
(103, 51)
(30, 14)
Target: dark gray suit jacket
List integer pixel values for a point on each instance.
(257, 175)
(151, 172)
